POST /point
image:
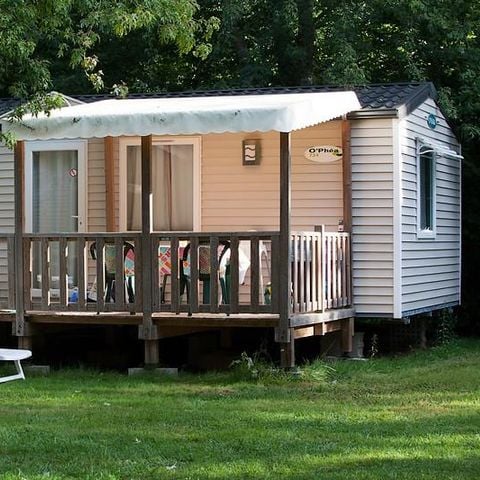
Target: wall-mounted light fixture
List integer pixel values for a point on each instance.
(251, 152)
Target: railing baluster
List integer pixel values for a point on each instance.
(63, 274)
(301, 277)
(294, 286)
(138, 306)
(27, 274)
(81, 272)
(119, 273)
(11, 271)
(349, 271)
(234, 245)
(45, 262)
(174, 277)
(214, 274)
(335, 270)
(275, 280)
(155, 275)
(315, 273)
(99, 244)
(323, 272)
(255, 273)
(343, 286)
(308, 266)
(193, 300)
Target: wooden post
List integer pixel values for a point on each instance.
(282, 333)
(109, 184)
(287, 352)
(147, 330)
(347, 334)
(20, 326)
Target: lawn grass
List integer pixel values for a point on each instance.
(411, 417)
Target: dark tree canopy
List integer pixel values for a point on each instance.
(46, 44)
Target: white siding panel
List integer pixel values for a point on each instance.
(372, 216)
(430, 268)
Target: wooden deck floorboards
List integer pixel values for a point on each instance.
(167, 319)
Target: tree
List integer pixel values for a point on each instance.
(38, 36)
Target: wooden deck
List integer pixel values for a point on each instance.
(183, 288)
(170, 325)
(259, 320)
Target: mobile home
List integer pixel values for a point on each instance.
(293, 209)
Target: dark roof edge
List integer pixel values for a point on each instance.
(427, 91)
(378, 113)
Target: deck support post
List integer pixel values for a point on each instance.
(151, 353)
(287, 353)
(283, 334)
(147, 331)
(347, 335)
(25, 342)
(20, 329)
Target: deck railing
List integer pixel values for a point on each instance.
(82, 272)
(321, 277)
(231, 281)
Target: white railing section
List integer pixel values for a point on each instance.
(321, 276)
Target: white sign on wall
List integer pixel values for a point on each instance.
(323, 153)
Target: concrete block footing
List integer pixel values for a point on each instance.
(37, 369)
(172, 372)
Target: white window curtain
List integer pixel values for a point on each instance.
(55, 191)
(172, 187)
(54, 208)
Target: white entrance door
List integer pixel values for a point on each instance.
(55, 174)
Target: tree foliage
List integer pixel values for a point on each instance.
(41, 41)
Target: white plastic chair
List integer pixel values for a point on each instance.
(15, 356)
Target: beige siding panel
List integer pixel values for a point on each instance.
(6, 218)
(96, 185)
(372, 216)
(430, 268)
(237, 197)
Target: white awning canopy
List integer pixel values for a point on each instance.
(184, 116)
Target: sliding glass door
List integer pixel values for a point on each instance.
(55, 199)
(175, 186)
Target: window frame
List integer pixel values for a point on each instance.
(424, 148)
(125, 142)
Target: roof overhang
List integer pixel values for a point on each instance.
(68, 101)
(186, 116)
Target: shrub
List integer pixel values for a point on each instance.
(444, 324)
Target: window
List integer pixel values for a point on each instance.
(175, 185)
(426, 191)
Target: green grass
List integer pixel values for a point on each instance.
(411, 417)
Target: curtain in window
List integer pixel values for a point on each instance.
(172, 187)
(55, 191)
(54, 208)
(426, 190)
